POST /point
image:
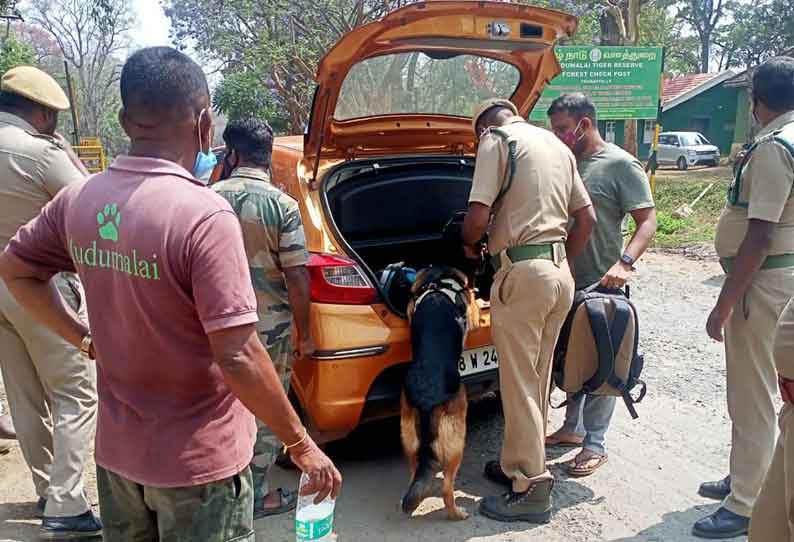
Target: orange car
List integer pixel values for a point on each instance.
(387, 159)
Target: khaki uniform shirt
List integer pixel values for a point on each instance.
(764, 194)
(546, 187)
(33, 168)
(274, 241)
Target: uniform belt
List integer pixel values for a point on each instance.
(529, 252)
(776, 261)
(786, 389)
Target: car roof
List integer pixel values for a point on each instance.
(681, 133)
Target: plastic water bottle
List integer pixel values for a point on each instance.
(314, 522)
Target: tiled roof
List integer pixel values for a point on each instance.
(677, 86)
(678, 90)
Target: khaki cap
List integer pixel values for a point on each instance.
(35, 85)
(489, 104)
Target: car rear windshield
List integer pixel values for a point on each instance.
(416, 83)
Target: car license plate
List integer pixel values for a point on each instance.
(478, 360)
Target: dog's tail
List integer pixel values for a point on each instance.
(426, 465)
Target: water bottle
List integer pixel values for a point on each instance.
(314, 522)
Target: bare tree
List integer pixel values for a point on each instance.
(706, 18)
(91, 36)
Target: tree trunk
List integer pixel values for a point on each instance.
(705, 53)
(633, 39)
(612, 27)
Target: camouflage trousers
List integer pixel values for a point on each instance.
(221, 511)
(268, 447)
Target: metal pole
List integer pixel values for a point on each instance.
(76, 129)
(653, 161)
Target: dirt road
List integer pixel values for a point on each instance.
(646, 492)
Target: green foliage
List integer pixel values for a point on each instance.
(659, 27)
(8, 6)
(668, 225)
(243, 94)
(277, 45)
(15, 53)
(760, 30)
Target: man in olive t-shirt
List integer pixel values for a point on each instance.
(618, 186)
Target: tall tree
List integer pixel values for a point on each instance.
(270, 45)
(705, 17)
(92, 37)
(759, 31)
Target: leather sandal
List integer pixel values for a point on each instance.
(580, 467)
(288, 501)
(564, 440)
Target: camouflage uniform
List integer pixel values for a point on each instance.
(273, 234)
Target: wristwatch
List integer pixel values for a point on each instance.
(85, 346)
(628, 260)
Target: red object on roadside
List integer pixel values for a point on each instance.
(786, 389)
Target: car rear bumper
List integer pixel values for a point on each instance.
(356, 373)
(383, 400)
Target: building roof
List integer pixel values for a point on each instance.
(678, 90)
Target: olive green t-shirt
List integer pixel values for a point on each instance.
(617, 185)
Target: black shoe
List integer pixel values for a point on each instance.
(721, 524)
(531, 506)
(40, 506)
(716, 490)
(83, 527)
(493, 471)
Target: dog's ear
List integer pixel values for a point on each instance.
(472, 310)
(420, 280)
(460, 276)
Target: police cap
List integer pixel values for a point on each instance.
(35, 85)
(489, 104)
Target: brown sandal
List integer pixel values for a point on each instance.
(579, 468)
(564, 440)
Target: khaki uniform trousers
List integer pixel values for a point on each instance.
(529, 303)
(52, 398)
(773, 514)
(752, 384)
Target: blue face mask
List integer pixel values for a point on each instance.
(205, 161)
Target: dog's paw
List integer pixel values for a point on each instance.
(458, 514)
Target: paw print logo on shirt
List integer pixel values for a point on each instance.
(109, 220)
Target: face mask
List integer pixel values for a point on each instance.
(570, 138)
(205, 161)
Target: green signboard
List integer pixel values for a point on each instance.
(622, 81)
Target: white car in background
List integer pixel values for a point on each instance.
(686, 149)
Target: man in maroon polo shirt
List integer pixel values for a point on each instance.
(172, 312)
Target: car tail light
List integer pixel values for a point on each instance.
(339, 280)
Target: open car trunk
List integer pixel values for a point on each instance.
(395, 210)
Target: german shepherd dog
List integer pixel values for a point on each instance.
(441, 312)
